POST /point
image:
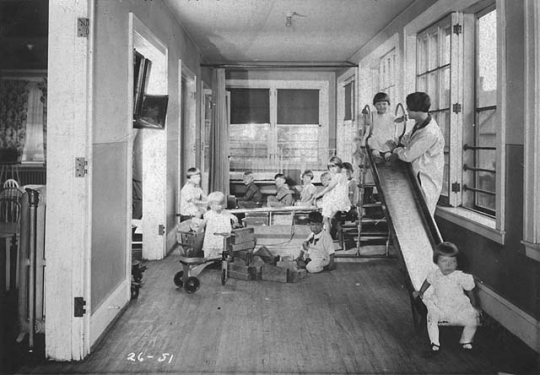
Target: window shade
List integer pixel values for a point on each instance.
(297, 106)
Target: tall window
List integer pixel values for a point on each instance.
(386, 75)
(481, 147)
(278, 127)
(433, 77)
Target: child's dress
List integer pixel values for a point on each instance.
(384, 130)
(447, 300)
(215, 223)
(307, 193)
(337, 199)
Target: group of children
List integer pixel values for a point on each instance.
(446, 292)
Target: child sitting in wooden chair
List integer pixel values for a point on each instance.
(451, 301)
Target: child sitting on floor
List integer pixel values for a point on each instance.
(452, 299)
(318, 249)
(216, 220)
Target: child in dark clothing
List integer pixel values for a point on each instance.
(253, 196)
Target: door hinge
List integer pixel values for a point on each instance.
(161, 229)
(456, 187)
(79, 307)
(456, 108)
(83, 27)
(458, 29)
(80, 167)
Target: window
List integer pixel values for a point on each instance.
(456, 60)
(278, 125)
(346, 129)
(386, 75)
(433, 77)
(480, 149)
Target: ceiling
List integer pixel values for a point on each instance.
(228, 31)
(247, 31)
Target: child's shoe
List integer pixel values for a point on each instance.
(433, 351)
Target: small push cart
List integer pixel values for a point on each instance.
(193, 264)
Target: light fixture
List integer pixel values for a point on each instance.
(288, 18)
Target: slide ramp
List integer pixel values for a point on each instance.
(413, 229)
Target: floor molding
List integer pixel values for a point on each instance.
(515, 320)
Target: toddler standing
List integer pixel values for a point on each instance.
(191, 195)
(336, 194)
(452, 299)
(216, 220)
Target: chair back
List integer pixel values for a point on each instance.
(10, 205)
(11, 183)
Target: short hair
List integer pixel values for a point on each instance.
(216, 197)
(309, 173)
(336, 160)
(325, 174)
(418, 102)
(193, 172)
(381, 97)
(280, 175)
(248, 173)
(447, 249)
(348, 166)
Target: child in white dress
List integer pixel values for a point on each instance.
(383, 128)
(308, 189)
(451, 299)
(216, 220)
(336, 194)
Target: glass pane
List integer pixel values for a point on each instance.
(421, 84)
(445, 45)
(250, 106)
(297, 106)
(445, 88)
(422, 55)
(486, 137)
(433, 51)
(485, 181)
(248, 145)
(487, 60)
(299, 145)
(433, 89)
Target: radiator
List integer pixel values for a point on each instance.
(32, 265)
(32, 175)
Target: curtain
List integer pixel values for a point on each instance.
(219, 141)
(13, 112)
(33, 146)
(43, 87)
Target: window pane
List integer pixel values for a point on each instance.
(250, 106)
(349, 101)
(297, 106)
(433, 51)
(422, 55)
(433, 89)
(299, 144)
(248, 145)
(445, 88)
(445, 45)
(487, 60)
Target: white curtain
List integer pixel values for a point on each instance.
(33, 146)
(219, 141)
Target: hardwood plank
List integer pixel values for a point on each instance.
(355, 319)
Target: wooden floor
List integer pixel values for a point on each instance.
(353, 320)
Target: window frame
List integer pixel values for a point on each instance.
(346, 129)
(273, 86)
(487, 226)
(531, 198)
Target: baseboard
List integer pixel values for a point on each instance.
(515, 320)
(109, 311)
